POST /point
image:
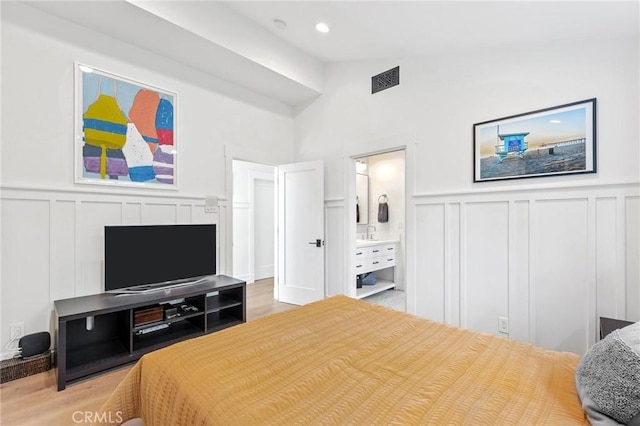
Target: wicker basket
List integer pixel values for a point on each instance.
(17, 368)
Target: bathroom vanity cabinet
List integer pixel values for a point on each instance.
(372, 255)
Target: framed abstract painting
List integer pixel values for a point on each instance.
(125, 131)
(554, 141)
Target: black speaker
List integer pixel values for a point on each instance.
(34, 344)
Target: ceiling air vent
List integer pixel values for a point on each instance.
(385, 80)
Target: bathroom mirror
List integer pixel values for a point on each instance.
(362, 199)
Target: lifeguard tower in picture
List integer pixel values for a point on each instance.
(511, 145)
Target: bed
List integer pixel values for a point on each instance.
(346, 361)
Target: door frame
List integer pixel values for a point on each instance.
(232, 152)
(403, 141)
(252, 156)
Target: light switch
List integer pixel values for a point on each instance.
(211, 204)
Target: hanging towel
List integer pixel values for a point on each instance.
(383, 212)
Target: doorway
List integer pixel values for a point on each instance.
(262, 197)
(254, 208)
(379, 188)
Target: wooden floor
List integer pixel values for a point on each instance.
(34, 400)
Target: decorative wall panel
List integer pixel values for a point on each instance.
(561, 279)
(242, 214)
(25, 269)
(551, 260)
(631, 244)
(53, 244)
(485, 258)
(430, 261)
(334, 248)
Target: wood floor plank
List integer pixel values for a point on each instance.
(34, 400)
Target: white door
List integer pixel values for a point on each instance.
(300, 275)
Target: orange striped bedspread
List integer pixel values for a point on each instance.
(343, 361)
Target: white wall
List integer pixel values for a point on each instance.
(536, 250)
(440, 98)
(559, 275)
(251, 217)
(52, 227)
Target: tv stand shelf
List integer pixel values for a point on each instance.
(96, 333)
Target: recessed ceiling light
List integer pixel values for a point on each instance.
(321, 27)
(279, 24)
(554, 121)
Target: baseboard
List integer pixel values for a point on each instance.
(264, 271)
(248, 278)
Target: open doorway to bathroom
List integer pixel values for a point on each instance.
(380, 195)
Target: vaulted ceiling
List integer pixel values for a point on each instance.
(238, 41)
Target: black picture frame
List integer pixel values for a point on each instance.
(559, 140)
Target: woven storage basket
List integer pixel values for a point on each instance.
(17, 368)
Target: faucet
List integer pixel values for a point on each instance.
(370, 236)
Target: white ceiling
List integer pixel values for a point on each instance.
(362, 30)
(237, 42)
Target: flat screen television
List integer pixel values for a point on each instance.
(141, 258)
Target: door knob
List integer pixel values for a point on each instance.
(317, 243)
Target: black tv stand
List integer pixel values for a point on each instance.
(96, 333)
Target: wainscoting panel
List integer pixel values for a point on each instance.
(549, 259)
(430, 261)
(63, 253)
(607, 253)
(484, 290)
(25, 266)
(94, 215)
(131, 213)
(160, 213)
(561, 280)
(242, 245)
(188, 214)
(53, 244)
(335, 262)
(519, 271)
(224, 238)
(632, 256)
(452, 264)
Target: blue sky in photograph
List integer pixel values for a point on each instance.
(552, 127)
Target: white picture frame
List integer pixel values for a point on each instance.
(125, 131)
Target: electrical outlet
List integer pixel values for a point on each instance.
(17, 330)
(503, 325)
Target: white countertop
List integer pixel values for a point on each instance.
(369, 243)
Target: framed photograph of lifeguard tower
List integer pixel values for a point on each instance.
(125, 131)
(549, 142)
